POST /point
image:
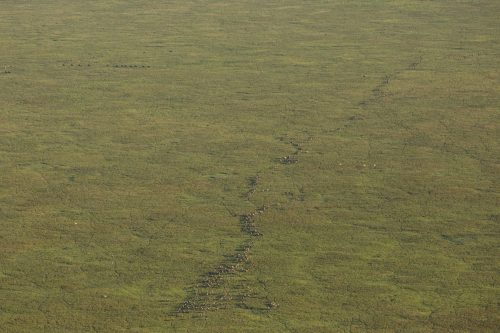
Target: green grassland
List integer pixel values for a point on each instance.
(249, 166)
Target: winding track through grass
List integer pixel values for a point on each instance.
(213, 291)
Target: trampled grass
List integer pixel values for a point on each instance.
(250, 166)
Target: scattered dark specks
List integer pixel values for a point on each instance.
(290, 159)
(454, 240)
(494, 217)
(271, 305)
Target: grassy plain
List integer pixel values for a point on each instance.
(143, 143)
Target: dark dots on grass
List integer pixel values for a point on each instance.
(290, 159)
(271, 305)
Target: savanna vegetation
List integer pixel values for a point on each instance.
(249, 166)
